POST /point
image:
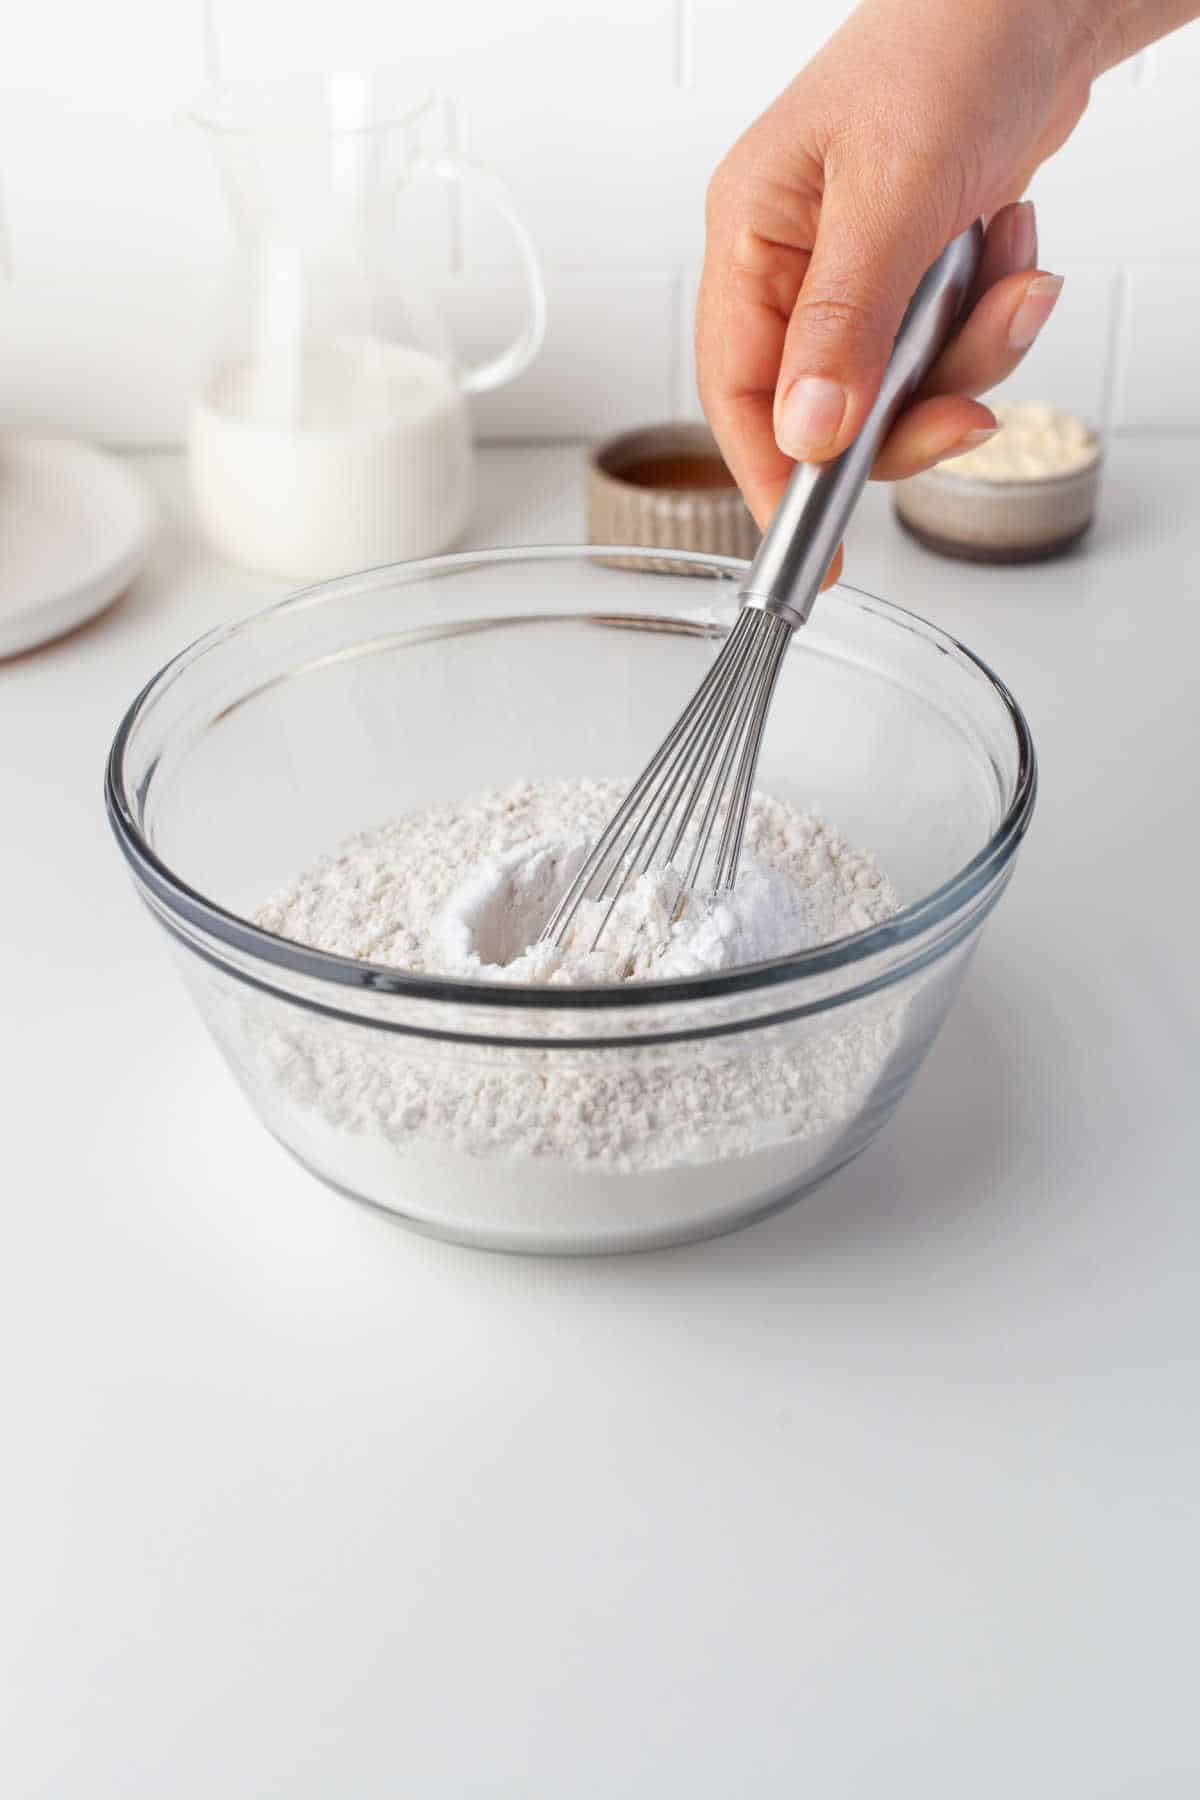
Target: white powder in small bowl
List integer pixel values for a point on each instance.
(1034, 443)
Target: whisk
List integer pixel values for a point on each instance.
(692, 799)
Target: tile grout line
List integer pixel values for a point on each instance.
(211, 40)
(1117, 357)
(1176, 433)
(613, 275)
(8, 265)
(678, 339)
(685, 43)
(499, 439)
(456, 199)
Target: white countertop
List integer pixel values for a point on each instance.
(893, 1495)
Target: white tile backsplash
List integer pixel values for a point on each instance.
(755, 47)
(118, 364)
(605, 118)
(628, 196)
(129, 59)
(608, 359)
(1156, 382)
(519, 47)
(1123, 186)
(93, 149)
(1071, 362)
(1175, 63)
(134, 200)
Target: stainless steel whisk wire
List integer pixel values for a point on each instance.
(707, 762)
(721, 725)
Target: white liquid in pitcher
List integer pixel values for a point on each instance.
(353, 456)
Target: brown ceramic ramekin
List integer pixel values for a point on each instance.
(666, 486)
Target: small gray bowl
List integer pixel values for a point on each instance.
(999, 521)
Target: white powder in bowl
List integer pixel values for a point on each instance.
(547, 1142)
(488, 929)
(1034, 443)
(455, 887)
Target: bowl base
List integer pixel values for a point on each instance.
(993, 554)
(622, 1243)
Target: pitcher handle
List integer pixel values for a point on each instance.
(457, 171)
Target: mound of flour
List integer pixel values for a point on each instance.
(488, 929)
(462, 889)
(465, 888)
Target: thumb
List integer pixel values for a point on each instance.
(866, 264)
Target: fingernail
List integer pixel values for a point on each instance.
(1024, 230)
(1034, 310)
(809, 416)
(971, 440)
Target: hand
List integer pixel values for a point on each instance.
(916, 117)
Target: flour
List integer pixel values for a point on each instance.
(650, 1135)
(456, 887)
(488, 928)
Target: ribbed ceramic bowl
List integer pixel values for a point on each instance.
(255, 751)
(624, 507)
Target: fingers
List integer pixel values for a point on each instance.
(828, 351)
(1010, 246)
(1012, 301)
(817, 417)
(931, 430)
(747, 289)
(741, 424)
(865, 266)
(943, 421)
(834, 572)
(1000, 329)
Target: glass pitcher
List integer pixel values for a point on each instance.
(332, 433)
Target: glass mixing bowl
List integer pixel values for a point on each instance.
(257, 750)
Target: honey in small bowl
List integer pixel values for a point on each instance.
(668, 487)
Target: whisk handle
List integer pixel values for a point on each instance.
(801, 540)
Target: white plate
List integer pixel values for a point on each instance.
(75, 525)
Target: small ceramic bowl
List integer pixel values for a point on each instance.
(667, 486)
(999, 521)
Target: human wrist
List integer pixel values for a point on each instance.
(1107, 32)
(1082, 34)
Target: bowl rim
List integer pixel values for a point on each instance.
(909, 926)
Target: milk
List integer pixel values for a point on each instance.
(346, 457)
